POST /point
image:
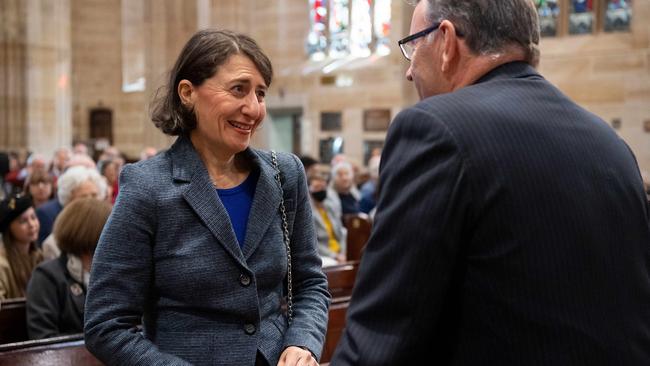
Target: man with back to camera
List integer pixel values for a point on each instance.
(512, 226)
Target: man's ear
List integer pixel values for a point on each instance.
(449, 46)
(186, 93)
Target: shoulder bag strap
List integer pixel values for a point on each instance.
(285, 234)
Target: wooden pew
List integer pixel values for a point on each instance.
(341, 277)
(13, 322)
(359, 227)
(64, 350)
(340, 280)
(335, 326)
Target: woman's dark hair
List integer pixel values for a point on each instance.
(200, 60)
(491, 25)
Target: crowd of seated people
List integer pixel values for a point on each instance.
(338, 189)
(51, 215)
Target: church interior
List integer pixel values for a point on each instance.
(86, 70)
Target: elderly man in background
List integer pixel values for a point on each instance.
(75, 182)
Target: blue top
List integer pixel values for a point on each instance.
(238, 201)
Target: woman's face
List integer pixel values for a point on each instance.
(229, 106)
(110, 172)
(40, 191)
(25, 227)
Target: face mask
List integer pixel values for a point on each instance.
(319, 196)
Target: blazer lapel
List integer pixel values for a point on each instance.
(200, 194)
(266, 203)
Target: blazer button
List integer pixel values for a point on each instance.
(244, 280)
(249, 328)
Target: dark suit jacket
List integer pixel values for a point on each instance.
(55, 301)
(169, 253)
(512, 229)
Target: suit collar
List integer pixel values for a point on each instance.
(515, 69)
(198, 191)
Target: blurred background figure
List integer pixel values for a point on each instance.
(59, 161)
(330, 232)
(12, 184)
(81, 160)
(19, 254)
(343, 185)
(368, 189)
(110, 169)
(76, 182)
(148, 152)
(4, 169)
(57, 291)
(34, 162)
(39, 185)
(80, 148)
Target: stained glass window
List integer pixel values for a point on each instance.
(548, 11)
(382, 26)
(581, 17)
(361, 30)
(618, 15)
(339, 28)
(133, 46)
(317, 39)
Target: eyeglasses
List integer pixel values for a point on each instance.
(407, 46)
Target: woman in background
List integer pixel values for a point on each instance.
(57, 290)
(19, 254)
(40, 186)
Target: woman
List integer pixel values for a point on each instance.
(110, 169)
(39, 185)
(195, 245)
(18, 252)
(330, 232)
(75, 183)
(57, 290)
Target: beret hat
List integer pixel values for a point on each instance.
(12, 207)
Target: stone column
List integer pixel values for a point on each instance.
(48, 57)
(13, 100)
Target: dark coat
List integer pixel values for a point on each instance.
(511, 229)
(55, 301)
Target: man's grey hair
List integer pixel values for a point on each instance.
(490, 26)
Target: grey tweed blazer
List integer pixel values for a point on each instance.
(168, 255)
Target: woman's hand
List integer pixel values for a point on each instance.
(296, 356)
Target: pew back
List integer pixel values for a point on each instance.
(341, 277)
(13, 322)
(359, 227)
(335, 327)
(64, 350)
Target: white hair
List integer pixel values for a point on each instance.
(73, 177)
(344, 165)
